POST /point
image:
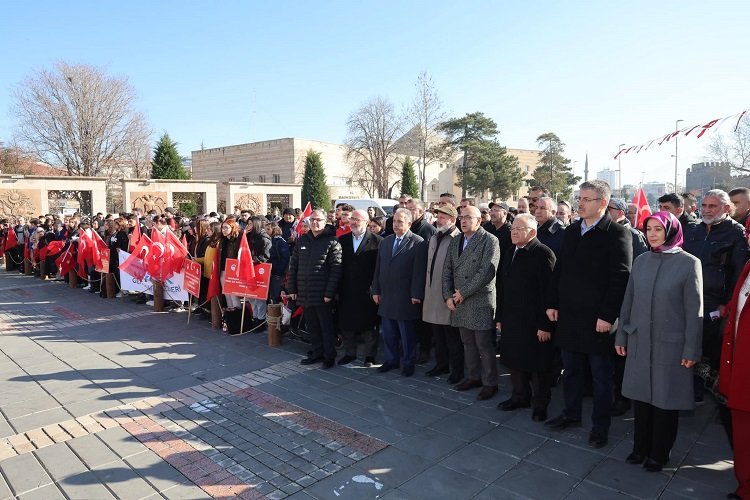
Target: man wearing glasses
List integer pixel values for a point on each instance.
(586, 292)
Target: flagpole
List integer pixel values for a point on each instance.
(242, 318)
(190, 306)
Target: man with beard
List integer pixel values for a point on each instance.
(449, 352)
(719, 242)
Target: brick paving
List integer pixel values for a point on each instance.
(127, 403)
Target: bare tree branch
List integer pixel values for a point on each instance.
(733, 147)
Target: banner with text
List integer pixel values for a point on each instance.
(174, 288)
(192, 277)
(255, 289)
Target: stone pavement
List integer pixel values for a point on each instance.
(106, 399)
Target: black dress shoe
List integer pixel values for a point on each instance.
(487, 392)
(561, 422)
(310, 360)
(652, 465)
(407, 371)
(454, 379)
(733, 496)
(369, 361)
(347, 359)
(539, 415)
(328, 363)
(468, 384)
(635, 459)
(386, 367)
(598, 439)
(510, 405)
(438, 370)
(620, 407)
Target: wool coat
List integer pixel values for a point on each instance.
(588, 283)
(400, 277)
(357, 312)
(734, 371)
(661, 323)
(434, 310)
(473, 272)
(522, 282)
(315, 268)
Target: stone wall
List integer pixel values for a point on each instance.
(158, 194)
(28, 195)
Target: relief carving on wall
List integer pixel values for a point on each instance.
(19, 203)
(252, 202)
(148, 201)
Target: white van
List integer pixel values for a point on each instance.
(383, 206)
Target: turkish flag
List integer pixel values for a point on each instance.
(97, 246)
(214, 284)
(246, 271)
(53, 248)
(342, 230)
(175, 253)
(135, 265)
(155, 259)
(65, 261)
(644, 210)
(305, 214)
(11, 241)
(135, 236)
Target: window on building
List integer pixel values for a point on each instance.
(276, 178)
(261, 179)
(246, 178)
(231, 179)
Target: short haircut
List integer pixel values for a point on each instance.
(339, 205)
(739, 190)
(405, 212)
(600, 187)
(529, 219)
(274, 230)
(449, 195)
(379, 220)
(545, 200)
(321, 213)
(690, 198)
(564, 203)
(544, 190)
(345, 207)
(469, 200)
(417, 203)
(720, 194)
(672, 198)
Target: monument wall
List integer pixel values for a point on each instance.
(29, 195)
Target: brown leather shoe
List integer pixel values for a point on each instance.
(487, 392)
(468, 384)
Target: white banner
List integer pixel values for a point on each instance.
(173, 288)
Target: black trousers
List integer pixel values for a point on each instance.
(449, 350)
(424, 335)
(532, 387)
(655, 431)
(369, 339)
(320, 327)
(619, 362)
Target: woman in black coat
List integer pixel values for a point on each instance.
(118, 239)
(260, 246)
(229, 247)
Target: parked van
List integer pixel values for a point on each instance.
(382, 206)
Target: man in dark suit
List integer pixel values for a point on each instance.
(549, 229)
(357, 314)
(526, 331)
(424, 230)
(398, 289)
(586, 292)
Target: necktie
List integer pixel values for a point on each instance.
(396, 246)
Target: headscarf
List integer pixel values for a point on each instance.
(672, 228)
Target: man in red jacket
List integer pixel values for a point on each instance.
(734, 379)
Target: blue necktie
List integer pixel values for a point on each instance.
(397, 246)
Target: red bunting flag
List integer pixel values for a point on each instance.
(644, 210)
(246, 271)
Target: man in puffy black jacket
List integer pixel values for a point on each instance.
(314, 275)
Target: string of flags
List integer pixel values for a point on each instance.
(696, 131)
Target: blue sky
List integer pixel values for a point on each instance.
(596, 73)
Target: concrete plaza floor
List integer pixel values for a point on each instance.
(106, 399)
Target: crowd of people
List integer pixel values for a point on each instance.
(647, 315)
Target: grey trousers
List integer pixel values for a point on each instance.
(479, 354)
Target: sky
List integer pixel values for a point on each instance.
(598, 74)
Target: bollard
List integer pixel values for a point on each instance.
(111, 285)
(8, 262)
(273, 320)
(42, 269)
(158, 296)
(27, 267)
(73, 278)
(215, 313)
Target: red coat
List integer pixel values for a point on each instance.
(734, 372)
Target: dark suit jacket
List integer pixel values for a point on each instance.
(588, 283)
(399, 278)
(523, 283)
(551, 234)
(357, 311)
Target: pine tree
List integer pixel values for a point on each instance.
(167, 163)
(554, 171)
(409, 179)
(314, 188)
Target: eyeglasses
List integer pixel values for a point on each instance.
(586, 200)
(316, 219)
(520, 228)
(467, 217)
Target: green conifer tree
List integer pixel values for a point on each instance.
(167, 163)
(314, 188)
(409, 179)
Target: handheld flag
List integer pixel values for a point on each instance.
(305, 214)
(246, 271)
(644, 210)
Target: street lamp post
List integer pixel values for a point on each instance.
(619, 168)
(676, 128)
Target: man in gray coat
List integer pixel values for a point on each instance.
(398, 289)
(469, 291)
(449, 352)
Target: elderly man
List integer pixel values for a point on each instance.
(398, 290)
(526, 331)
(313, 280)
(421, 227)
(719, 242)
(564, 213)
(522, 205)
(357, 314)
(498, 226)
(586, 292)
(550, 230)
(469, 291)
(674, 204)
(617, 208)
(449, 352)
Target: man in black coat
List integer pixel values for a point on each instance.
(526, 331)
(313, 280)
(499, 226)
(357, 313)
(424, 230)
(675, 204)
(586, 292)
(550, 230)
(398, 289)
